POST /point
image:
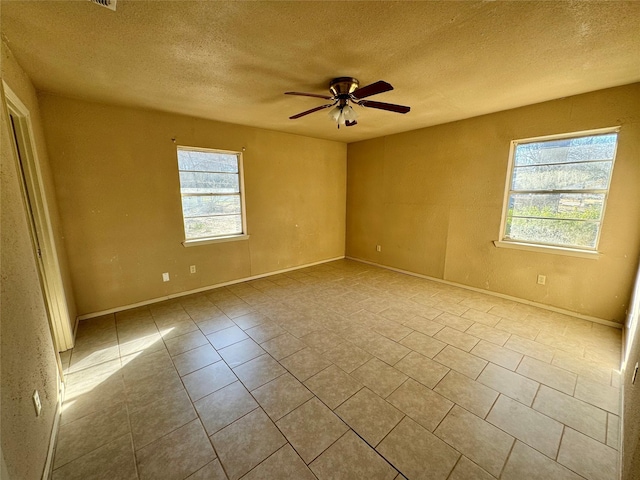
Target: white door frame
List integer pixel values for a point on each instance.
(42, 230)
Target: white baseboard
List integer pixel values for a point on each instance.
(496, 294)
(202, 289)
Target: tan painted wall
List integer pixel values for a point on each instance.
(28, 359)
(432, 198)
(117, 183)
(21, 85)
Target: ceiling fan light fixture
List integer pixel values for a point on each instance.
(342, 114)
(334, 113)
(349, 113)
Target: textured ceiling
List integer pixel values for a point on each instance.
(232, 61)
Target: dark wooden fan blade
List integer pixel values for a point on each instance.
(303, 94)
(351, 123)
(302, 114)
(373, 89)
(385, 106)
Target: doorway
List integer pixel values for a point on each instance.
(42, 235)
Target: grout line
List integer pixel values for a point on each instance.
(319, 285)
(508, 457)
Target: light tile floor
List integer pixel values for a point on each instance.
(340, 371)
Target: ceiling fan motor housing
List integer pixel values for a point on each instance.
(343, 87)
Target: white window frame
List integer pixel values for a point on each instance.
(221, 238)
(583, 252)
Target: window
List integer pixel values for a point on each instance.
(557, 190)
(211, 187)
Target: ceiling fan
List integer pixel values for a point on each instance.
(345, 91)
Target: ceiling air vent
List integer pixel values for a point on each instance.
(110, 4)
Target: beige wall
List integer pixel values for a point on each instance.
(116, 178)
(28, 359)
(432, 198)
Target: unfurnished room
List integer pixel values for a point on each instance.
(320, 240)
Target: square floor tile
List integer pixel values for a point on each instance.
(333, 386)
(195, 359)
(322, 340)
(417, 453)
(550, 375)
(587, 457)
(311, 428)
(423, 344)
(369, 416)
(160, 417)
(177, 329)
(347, 356)
(467, 393)
(282, 395)
(211, 471)
(176, 455)
(489, 334)
(305, 363)
(258, 371)
(530, 348)
(185, 342)
(350, 458)
(265, 331)
(250, 320)
(226, 337)
(607, 398)
(283, 346)
(461, 361)
(529, 426)
(113, 460)
(90, 432)
(212, 325)
(379, 377)
(422, 404)
(422, 325)
(496, 354)
(207, 380)
(246, 442)
(570, 411)
(224, 407)
(150, 388)
(457, 338)
(525, 462)
(241, 352)
(422, 369)
(509, 383)
(465, 469)
(480, 441)
(284, 464)
(484, 318)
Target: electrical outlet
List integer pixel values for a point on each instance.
(192, 269)
(542, 279)
(36, 403)
(378, 248)
(165, 277)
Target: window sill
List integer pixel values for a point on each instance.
(206, 241)
(569, 252)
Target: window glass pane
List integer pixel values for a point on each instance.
(576, 176)
(582, 149)
(551, 231)
(203, 182)
(202, 227)
(198, 206)
(582, 206)
(207, 161)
